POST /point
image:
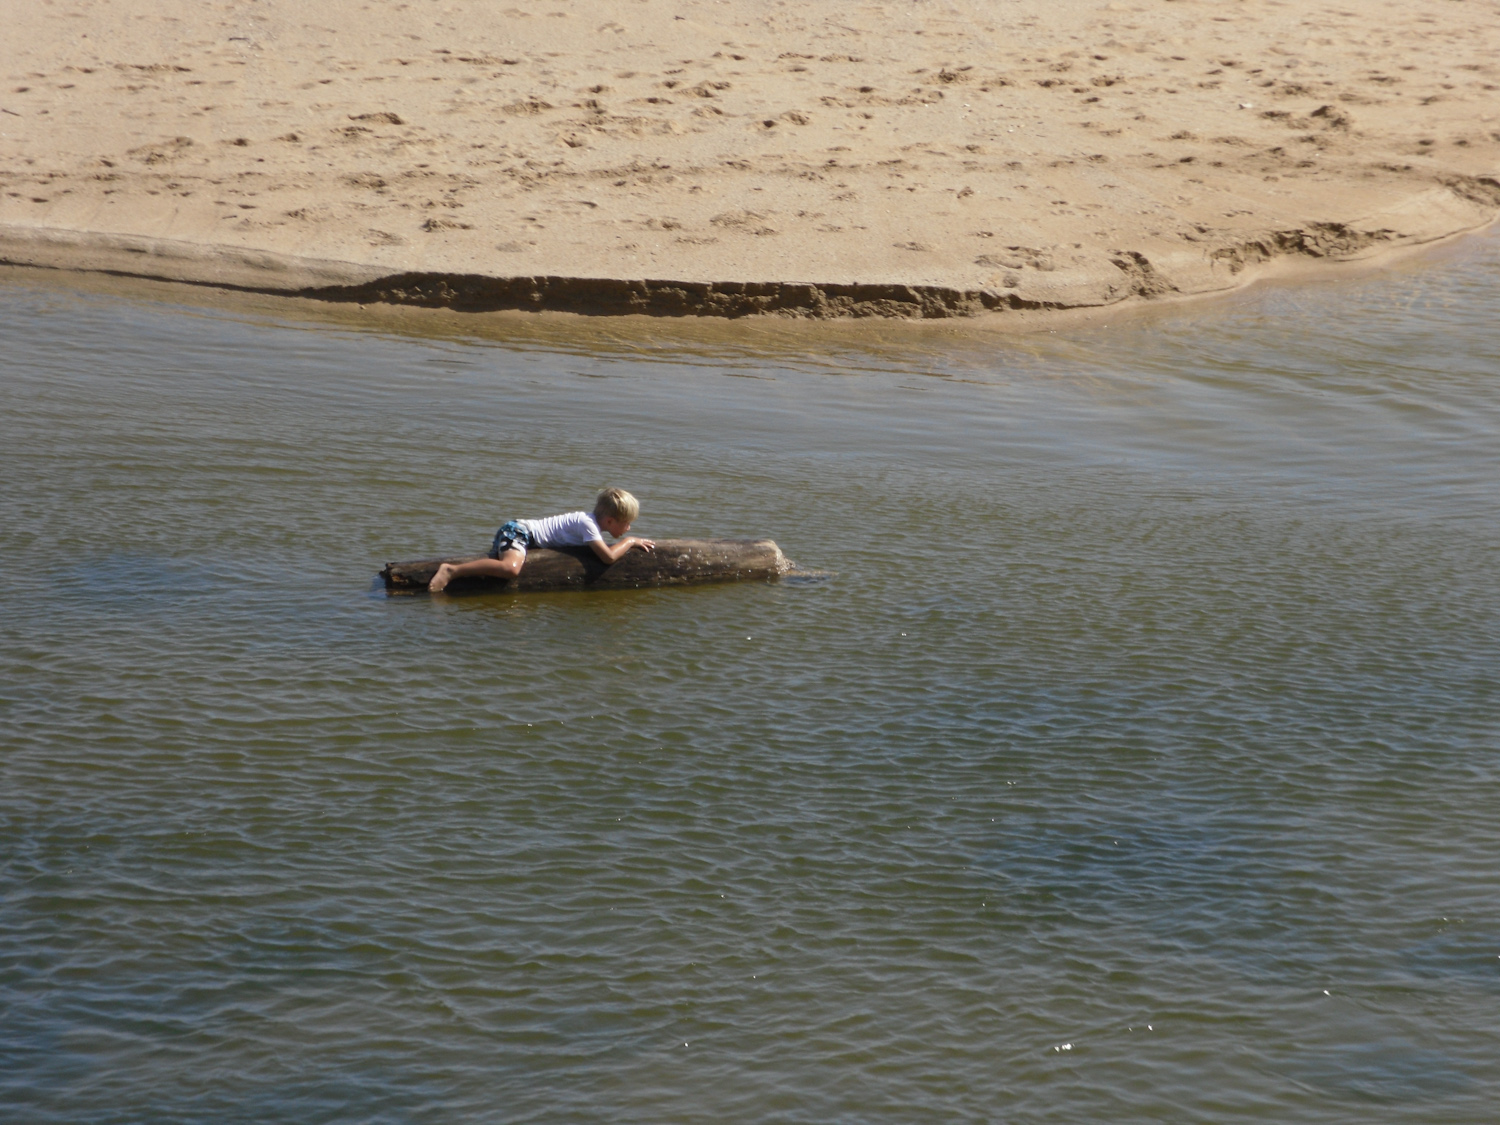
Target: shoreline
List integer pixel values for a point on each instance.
(730, 159)
(233, 269)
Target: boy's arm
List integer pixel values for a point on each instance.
(614, 554)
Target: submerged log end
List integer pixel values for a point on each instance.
(675, 562)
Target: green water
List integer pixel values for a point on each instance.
(1138, 763)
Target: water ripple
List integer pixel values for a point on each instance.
(1136, 764)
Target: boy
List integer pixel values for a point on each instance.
(614, 511)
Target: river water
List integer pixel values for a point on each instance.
(1137, 762)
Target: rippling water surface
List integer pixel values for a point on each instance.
(1137, 764)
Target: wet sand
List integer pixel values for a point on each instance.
(731, 157)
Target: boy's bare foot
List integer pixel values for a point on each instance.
(440, 579)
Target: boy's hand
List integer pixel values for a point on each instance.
(610, 555)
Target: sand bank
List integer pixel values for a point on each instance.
(731, 157)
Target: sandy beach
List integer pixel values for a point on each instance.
(725, 157)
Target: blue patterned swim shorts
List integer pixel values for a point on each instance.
(511, 534)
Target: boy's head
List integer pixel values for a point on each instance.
(617, 506)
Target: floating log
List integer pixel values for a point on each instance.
(675, 562)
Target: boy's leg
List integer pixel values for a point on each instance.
(508, 565)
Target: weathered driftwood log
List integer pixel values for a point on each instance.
(675, 562)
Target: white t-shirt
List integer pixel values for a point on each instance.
(573, 529)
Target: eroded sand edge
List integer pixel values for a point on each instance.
(732, 158)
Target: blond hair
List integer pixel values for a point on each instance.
(617, 504)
